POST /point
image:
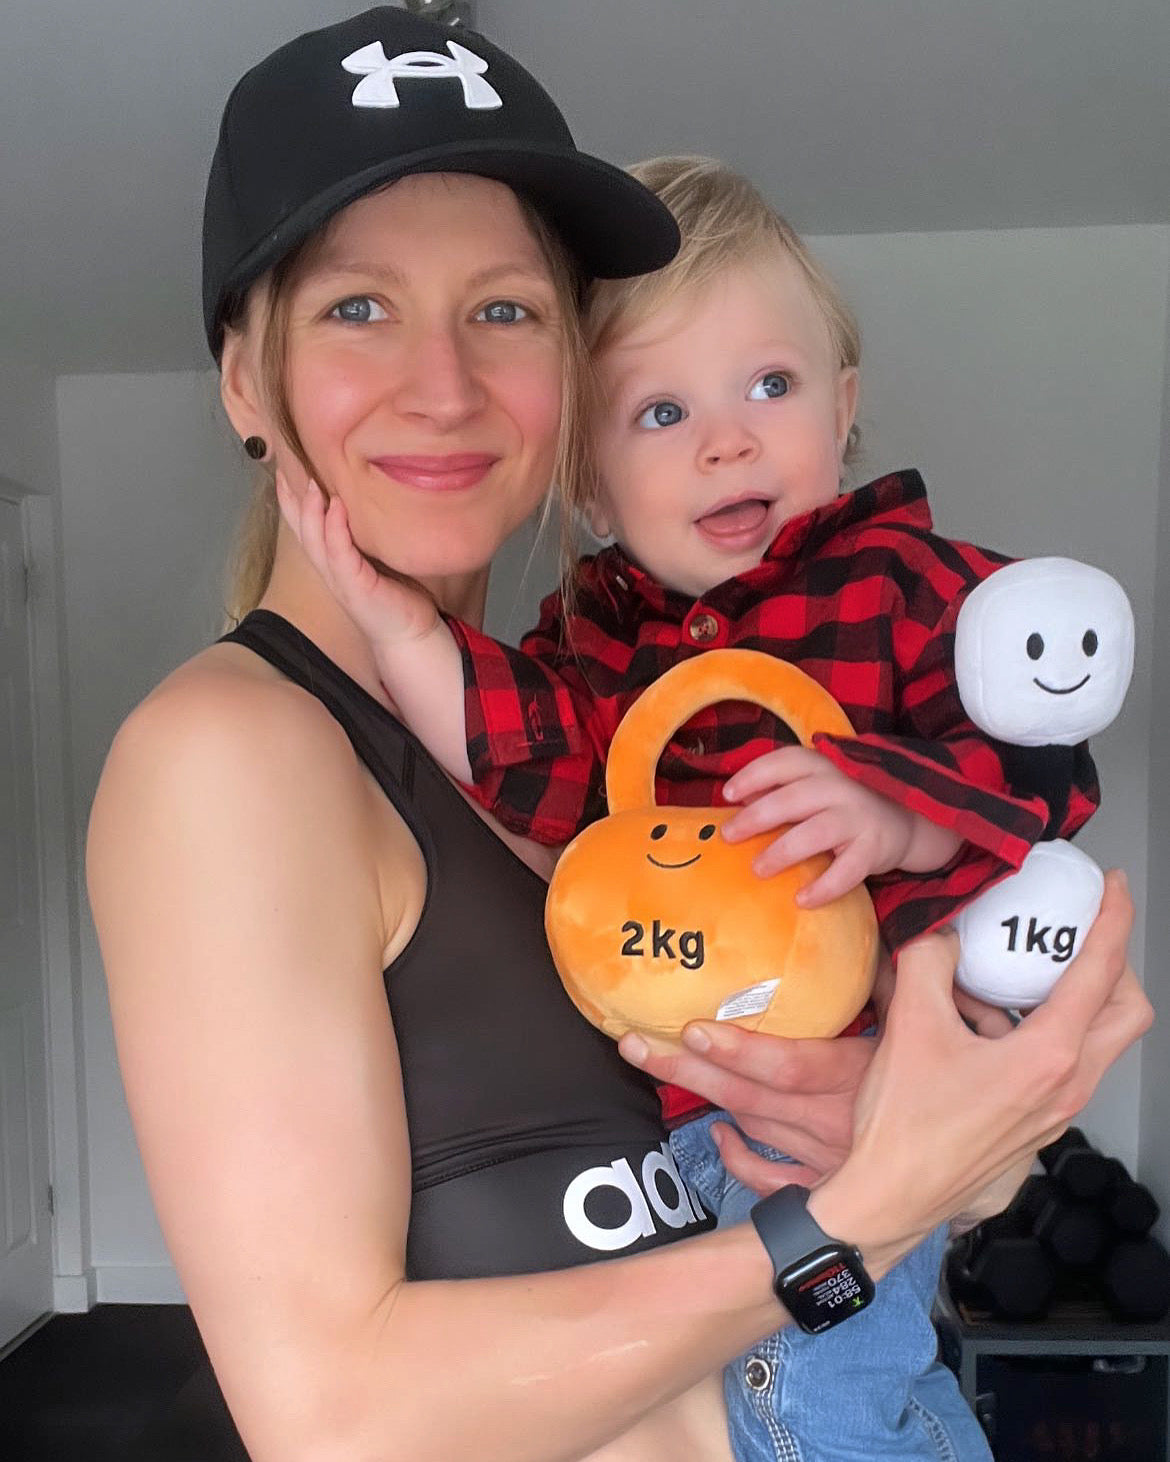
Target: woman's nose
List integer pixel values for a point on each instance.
(440, 382)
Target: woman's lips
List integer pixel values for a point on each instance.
(738, 525)
(451, 473)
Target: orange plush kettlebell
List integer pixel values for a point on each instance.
(654, 920)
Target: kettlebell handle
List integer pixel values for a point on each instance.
(717, 675)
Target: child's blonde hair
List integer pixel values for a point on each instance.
(724, 221)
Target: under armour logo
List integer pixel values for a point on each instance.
(378, 90)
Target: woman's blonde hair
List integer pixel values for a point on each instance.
(724, 221)
(254, 549)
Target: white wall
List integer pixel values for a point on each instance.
(1022, 372)
(151, 485)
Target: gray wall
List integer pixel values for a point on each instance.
(1155, 1106)
(1023, 372)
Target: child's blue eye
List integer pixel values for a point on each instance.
(662, 413)
(502, 312)
(359, 309)
(770, 387)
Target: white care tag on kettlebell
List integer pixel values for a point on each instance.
(1017, 938)
(752, 1001)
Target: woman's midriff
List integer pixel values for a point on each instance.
(692, 1427)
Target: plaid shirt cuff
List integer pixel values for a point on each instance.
(994, 821)
(516, 710)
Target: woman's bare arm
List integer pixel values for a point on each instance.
(233, 854)
(234, 859)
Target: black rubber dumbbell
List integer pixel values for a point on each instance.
(1135, 1280)
(1008, 1273)
(1078, 1167)
(1074, 1232)
(1129, 1206)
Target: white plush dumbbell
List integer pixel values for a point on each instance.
(1016, 938)
(1044, 652)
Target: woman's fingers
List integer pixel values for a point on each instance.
(987, 1020)
(761, 1174)
(794, 1095)
(1090, 979)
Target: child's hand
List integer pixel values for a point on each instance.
(827, 811)
(387, 610)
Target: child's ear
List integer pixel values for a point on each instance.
(847, 384)
(599, 523)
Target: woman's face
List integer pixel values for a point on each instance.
(424, 363)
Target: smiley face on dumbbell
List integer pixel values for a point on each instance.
(1044, 652)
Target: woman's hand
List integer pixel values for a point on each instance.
(796, 1096)
(944, 1112)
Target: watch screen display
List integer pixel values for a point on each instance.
(825, 1288)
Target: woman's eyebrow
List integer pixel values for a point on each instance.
(372, 269)
(379, 269)
(518, 269)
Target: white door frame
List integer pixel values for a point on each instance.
(59, 868)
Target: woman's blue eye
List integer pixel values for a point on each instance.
(359, 309)
(769, 387)
(662, 413)
(502, 312)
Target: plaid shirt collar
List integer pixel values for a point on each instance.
(897, 499)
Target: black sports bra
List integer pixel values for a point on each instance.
(533, 1144)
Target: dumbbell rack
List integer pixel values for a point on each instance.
(973, 1345)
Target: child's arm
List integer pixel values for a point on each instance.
(523, 729)
(417, 657)
(824, 811)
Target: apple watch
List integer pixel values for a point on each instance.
(819, 1280)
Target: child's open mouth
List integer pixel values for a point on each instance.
(740, 524)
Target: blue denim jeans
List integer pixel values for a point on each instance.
(871, 1388)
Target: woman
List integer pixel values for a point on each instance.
(273, 861)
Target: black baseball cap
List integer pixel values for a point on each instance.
(342, 110)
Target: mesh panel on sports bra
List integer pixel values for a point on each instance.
(534, 1145)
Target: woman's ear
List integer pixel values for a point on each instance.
(847, 384)
(239, 388)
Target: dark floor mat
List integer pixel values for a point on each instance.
(121, 1382)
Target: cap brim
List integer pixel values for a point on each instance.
(613, 224)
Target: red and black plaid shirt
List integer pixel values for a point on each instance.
(861, 595)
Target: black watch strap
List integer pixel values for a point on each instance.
(787, 1229)
(821, 1281)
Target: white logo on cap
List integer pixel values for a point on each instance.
(378, 90)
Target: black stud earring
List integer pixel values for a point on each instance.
(256, 448)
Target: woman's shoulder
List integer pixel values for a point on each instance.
(228, 741)
(226, 783)
(225, 708)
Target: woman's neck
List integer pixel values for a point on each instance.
(298, 593)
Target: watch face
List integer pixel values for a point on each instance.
(825, 1288)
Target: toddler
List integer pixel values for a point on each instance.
(725, 392)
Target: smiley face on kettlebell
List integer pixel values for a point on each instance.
(654, 920)
(660, 830)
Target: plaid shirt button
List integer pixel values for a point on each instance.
(703, 628)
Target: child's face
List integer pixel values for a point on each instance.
(724, 416)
